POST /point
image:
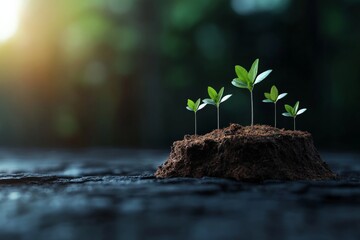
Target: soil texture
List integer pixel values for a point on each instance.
(251, 153)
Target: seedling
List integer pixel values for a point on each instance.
(248, 80)
(194, 107)
(273, 97)
(293, 111)
(215, 99)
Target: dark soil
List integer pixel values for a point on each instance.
(248, 153)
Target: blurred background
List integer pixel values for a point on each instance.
(117, 73)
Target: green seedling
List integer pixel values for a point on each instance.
(293, 112)
(215, 99)
(194, 107)
(272, 97)
(248, 80)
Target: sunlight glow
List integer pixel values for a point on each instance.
(9, 18)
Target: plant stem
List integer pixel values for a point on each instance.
(218, 117)
(294, 124)
(275, 115)
(195, 124)
(252, 108)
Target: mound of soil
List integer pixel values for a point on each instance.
(251, 153)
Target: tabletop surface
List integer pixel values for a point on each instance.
(112, 194)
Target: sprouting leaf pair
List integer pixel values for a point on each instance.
(195, 106)
(215, 99)
(248, 80)
(273, 97)
(293, 111)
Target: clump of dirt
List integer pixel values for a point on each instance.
(251, 153)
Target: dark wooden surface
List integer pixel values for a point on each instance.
(112, 194)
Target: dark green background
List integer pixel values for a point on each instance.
(117, 73)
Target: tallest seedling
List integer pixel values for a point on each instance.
(248, 80)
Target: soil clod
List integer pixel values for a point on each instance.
(251, 153)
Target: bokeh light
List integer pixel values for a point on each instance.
(9, 17)
(118, 72)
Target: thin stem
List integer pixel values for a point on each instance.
(275, 115)
(218, 117)
(252, 108)
(195, 125)
(294, 124)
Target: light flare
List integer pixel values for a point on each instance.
(9, 18)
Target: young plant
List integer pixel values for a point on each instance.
(272, 97)
(293, 111)
(215, 99)
(248, 80)
(194, 107)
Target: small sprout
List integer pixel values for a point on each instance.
(194, 107)
(248, 80)
(293, 111)
(273, 97)
(215, 99)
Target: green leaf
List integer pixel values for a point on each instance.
(253, 70)
(301, 111)
(220, 94)
(296, 107)
(209, 101)
(267, 101)
(197, 104)
(274, 93)
(268, 96)
(287, 114)
(191, 104)
(241, 73)
(289, 109)
(212, 93)
(242, 81)
(262, 76)
(238, 84)
(281, 96)
(225, 98)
